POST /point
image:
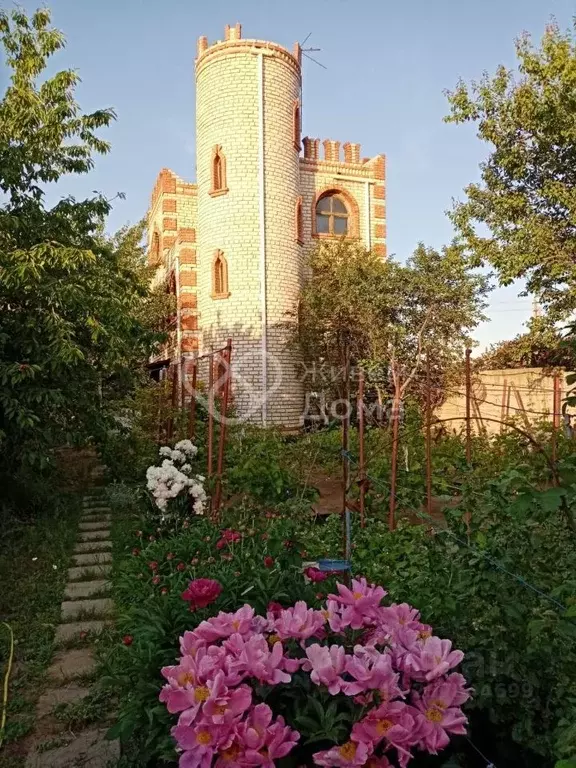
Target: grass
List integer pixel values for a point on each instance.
(34, 557)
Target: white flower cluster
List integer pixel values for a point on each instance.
(169, 481)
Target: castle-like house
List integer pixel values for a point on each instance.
(233, 245)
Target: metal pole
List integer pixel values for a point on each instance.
(183, 383)
(361, 462)
(192, 416)
(393, 468)
(428, 440)
(222, 436)
(468, 393)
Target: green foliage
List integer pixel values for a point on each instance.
(76, 317)
(386, 313)
(542, 346)
(526, 197)
(155, 615)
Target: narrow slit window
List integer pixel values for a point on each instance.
(297, 125)
(218, 171)
(219, 276)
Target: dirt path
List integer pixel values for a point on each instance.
(85, 611)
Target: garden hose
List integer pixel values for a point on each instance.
(5, 687)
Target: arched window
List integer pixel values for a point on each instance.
(296, 125)
(218, 182)
(155, 248)
(331, 215)
(299, 222)
(220, 276)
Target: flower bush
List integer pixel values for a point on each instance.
(174, 478)
(353, 684)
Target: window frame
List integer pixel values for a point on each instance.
(220, 291)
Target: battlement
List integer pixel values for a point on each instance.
(349, 156)
(233, 42)
(168, 183)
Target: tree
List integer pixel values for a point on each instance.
(521, 217)
(388, 314)
(73, 301)
(542, 346)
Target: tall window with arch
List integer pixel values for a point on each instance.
(299, 222)
(332, 215)
(218, 171)
(296, 124)
(219, 276)
(155, 248)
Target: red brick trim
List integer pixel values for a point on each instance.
(379, 212)
(379, 250)
(186, 235)
(168, 242)
(188, 300)
(189, 344)
(168, 224)
(189, 323)
(188, 277)
(380, 168)
(353, 214)
(187, 256)
(168, 206)
(380, 230)
(379, 192)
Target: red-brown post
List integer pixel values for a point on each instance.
(209, 467)
(222, 437)
(345, 448)
(361, 461)
(394, 460)
(468, 399)
(183, 383)
(192, 412)
(555, 416)
(173, 402)
(160, 411)
(428, 440)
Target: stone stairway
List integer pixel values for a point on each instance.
(85, 611)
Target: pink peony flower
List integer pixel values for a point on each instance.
(202, 592)
(433, 658)
(226, 624)
(265, 740)
(326, 665)
(200, 743)
(440, 713)
(353, 753)
(395, 723)
(315, 575)
(257, 660)
(298, 623)
(224, 705)
(361, 603)
(400, 615)
(371, 672)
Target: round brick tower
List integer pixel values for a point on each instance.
(249, 258)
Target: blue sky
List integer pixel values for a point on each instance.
(387, 66)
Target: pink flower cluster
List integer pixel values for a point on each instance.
(398, 675)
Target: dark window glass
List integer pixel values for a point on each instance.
(331, 215)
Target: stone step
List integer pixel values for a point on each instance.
(95, 518)
(90, 749)
(92, 558)
(72, 609)
(53, 697)
(93, 546)
(78, 590)
(90, 509)
(93, 535)
(94, 526)
(71, 631)
(75, 662)
(88, 572)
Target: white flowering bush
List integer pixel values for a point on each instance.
(173, 480)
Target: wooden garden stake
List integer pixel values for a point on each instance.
(222, 437)
(361, 461)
